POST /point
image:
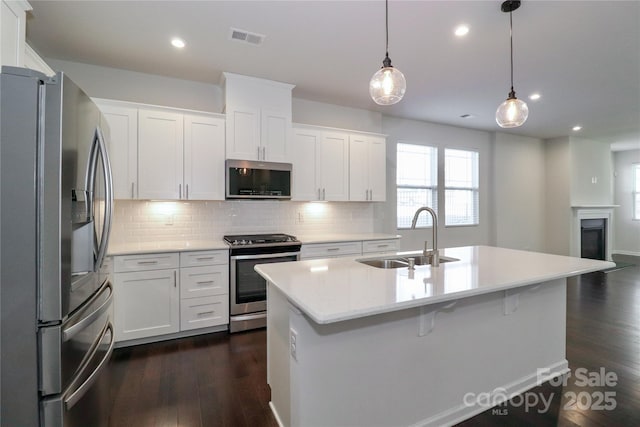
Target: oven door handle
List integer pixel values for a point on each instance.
(262, 256)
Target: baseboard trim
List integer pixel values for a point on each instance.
(501, 394)
(275, 414)
(183, 334)
(621, 252)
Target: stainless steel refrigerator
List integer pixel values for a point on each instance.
(56, 205)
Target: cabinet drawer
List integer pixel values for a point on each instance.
(373, 246)
(204, 281)
(204, 312)
(145, 262)
(195, 259)
(330, 250)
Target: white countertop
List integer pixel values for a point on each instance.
(215, 244)
(165, 246)
(333, 290)
(344, 237)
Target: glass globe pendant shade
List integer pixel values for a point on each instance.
(387, 86)
(512, 113)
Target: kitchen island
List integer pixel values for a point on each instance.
(352, 344)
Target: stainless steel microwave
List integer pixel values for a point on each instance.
(247, 179)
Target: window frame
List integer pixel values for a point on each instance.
(474, 190)
(433, 189)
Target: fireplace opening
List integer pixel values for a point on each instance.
(593, 238)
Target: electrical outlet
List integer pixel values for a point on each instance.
(293, 343)
(300, 217)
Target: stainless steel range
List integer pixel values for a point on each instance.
(248, 290)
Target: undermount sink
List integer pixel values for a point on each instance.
(403, 261)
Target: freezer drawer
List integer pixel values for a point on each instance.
(66, 348)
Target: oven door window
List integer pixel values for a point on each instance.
(250, 286)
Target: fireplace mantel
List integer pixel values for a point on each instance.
(581, 212)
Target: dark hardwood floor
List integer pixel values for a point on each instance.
(220, 379)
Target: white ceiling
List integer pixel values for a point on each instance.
(582, 56)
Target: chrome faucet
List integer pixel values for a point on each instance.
(435, 256)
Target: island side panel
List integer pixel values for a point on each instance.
(278, 354)
(379, 371)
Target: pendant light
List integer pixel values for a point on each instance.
(513, 112)
(387, 86)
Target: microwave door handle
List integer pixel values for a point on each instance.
(108, 205)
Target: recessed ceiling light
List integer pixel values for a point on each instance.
(534, 96)
(576, 128)
(179, 43)
(461, 30)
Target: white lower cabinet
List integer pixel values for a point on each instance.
(160, 294)
(146, 304)
(342, 249)
(204, 289)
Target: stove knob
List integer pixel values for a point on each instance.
(249, 242)
(243, 242)
(235, 242)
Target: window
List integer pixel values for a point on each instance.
(417, 182)
(636, 192)
(461, 187)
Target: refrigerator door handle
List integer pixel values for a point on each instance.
(72, 398)
(108, 205)
(69, 332)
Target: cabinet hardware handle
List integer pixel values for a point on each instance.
(333, 249)
(175, 279)
(132, 190)
(204, 282)
(264, 153)
(206, 312)
(258, 153)
(382, 246)
(187, 191)
(204, 258)
(147, 262)
(319, 197)
(323, 196)
(179, 191)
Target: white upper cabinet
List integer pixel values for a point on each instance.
(122, 142)
(33, 61)
(367, 168)
(12, 32)
(320, 164)
(164, 153)
(160, 154)
(203, 157)
(258, 122)
(333, 172)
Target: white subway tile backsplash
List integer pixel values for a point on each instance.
(148, 221)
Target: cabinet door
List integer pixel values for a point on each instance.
(243, 133)
(146, 304)
(12, 44)
(203, 158)
(378, 169)
(274, 139)
(358, 168)
(123, 149)
(333, 156)
(160, 144)
(303, 149)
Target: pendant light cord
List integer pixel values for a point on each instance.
(511, 41)
(386, 4)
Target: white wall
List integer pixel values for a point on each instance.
(440, 136)
(123, 85)
(627, 231)
(519, 192)
(591, 173)
(321, 114)
(558, 196)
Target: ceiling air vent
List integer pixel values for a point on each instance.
(246, 37)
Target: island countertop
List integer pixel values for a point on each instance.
(338, 289)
